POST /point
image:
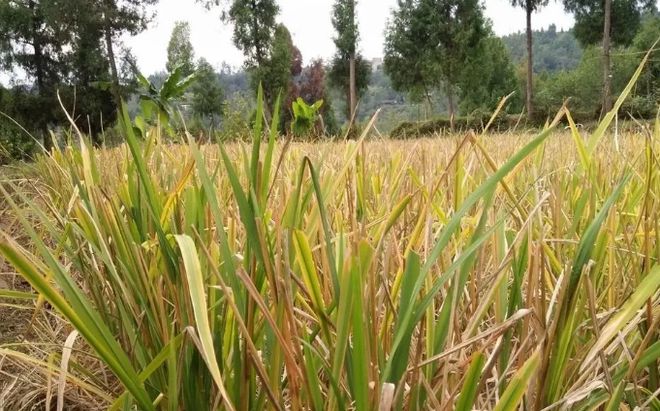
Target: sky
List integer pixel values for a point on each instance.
(309, 22)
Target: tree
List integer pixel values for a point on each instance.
(553, 50)
(63, 49)
(34, 37)
(488, 76)
(208, 96)
(86, 89)
(180, 50)
(428, 43)
(339, 77)
(343, 20)
(611, 23)
(275, 75)
(120, 17)
(410, 68)
(648, 86)
(313, 89)
(254, 28)
(254, 33)
(530, 6)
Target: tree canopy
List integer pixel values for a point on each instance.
(590, 14)
(180, 50)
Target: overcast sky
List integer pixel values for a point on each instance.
(310, 25)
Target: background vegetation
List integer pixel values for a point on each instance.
(147, 262)
(82, 59)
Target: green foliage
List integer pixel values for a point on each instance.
(487, 77)
(338, 77)
(408, 59)
(254, 28)
(345, 23)
(236, 117)
(583, 85)
(208, 98)
(529, 5)
(157, 103)
(553, 51)
(311, 85)
(428, 43)
(589, 19)
(647, 94)
(304, 116)
(15, 144)
(180, 51)
(443, 125)
(68, 46)
(275, 74)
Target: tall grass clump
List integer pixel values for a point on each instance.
(475, 272)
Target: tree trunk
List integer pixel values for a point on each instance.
(352, 91)
(428, 100)
(351, 67)
(530, 66)
(607, 77)
(450, 101)
(39, 69)
(113, 64)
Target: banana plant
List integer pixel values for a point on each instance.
(157, 104)
(304, 116)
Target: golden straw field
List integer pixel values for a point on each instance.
(496, 271)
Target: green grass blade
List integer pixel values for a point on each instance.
(516, 389)
(473, 377)
(198, 299)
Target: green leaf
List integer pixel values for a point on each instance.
(198, 299)
(516, 389)
(472, 379)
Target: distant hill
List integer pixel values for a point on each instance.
(553, 50)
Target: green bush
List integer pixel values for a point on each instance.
(441, 125)
(15, 144)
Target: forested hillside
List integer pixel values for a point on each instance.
(553, 50)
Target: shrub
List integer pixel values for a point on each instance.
(15, 144)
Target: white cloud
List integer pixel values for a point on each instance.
(310, 24)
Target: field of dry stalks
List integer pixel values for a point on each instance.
(508, 271)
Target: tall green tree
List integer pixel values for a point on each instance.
(120, 17)
(428, 43)
(275, 75)
(610, 23)
(339, 77)
(488, 75)
(255, 28)
(86, 89)
(33, 41)
(180, 50)
(208, 95)
(530, 7)
(346, 41)
(409, 64)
